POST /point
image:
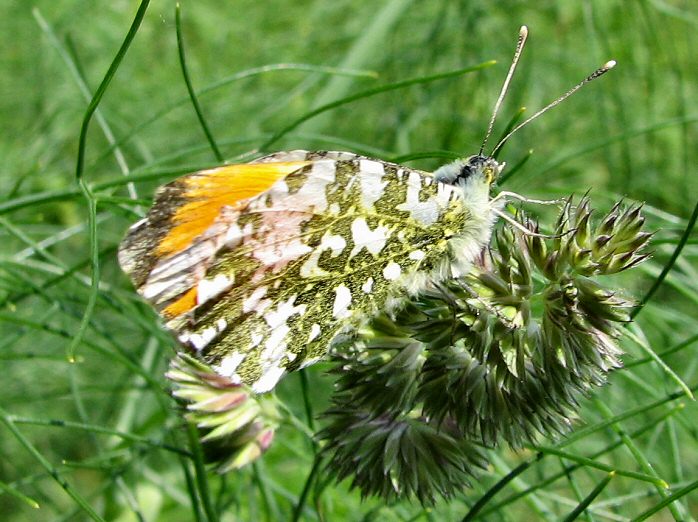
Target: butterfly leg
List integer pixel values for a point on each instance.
(514, 195)
(527, 231)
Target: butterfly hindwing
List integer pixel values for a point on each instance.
(260, 285)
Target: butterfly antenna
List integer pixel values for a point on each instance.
(598, 72)
(523, 34)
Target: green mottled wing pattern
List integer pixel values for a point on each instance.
(319, 251)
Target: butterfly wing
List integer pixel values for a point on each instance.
(169, 250)
(257, 267)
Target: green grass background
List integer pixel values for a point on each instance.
(102, 435)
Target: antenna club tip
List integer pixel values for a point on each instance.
(609, 64)
(523, 31)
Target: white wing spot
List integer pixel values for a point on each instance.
(268, 379)
(256, 339)
(234, 235)
(152, 290)
(275, 346)
(255, 301)
(426, 212)
(230, 363)
(283, 312)
(311, 194)
(209, 288)
(310, 268)
(417, 255)
(314, 332)
(310, 361)
(200, 340)
(342, 300)
(363, 237)
(372, 187)
(333, 242)
(392, 271)
(367, 287)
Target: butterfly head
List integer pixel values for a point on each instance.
(475, 169)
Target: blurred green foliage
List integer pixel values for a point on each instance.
(631, 134)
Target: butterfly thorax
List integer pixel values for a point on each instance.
(472, 177)
(475, 169)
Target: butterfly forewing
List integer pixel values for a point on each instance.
(266, 284)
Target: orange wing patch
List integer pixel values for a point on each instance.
(210, 190)
(182, 305)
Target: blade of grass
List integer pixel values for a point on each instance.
(79, 167)
(587, 430)
(639, 457)
(307, 403)
(362, 52)
(599, 465)
(129, 408)
(558, 162)
(24, 238)
(584, 504)
(535, 502)
(76, 72)
(129, 498)
(248, 73)
(510, 125)
(79, 402)
(516, 167)
(191, 488)
(665, 502)
(18, 495)
(664, 366)
(670, 264)
(93, 428)
(38, 198)
(95, 272)
(190, 87)
(6, 419)
(310, 479)
(55, 239)
(148, 176)
(439, 154)
(200, 473)
(677, 464)
(570, 469)
(111, 72)
(271, 509)
(371, 92)
(499, 486)
(117, 356)
(674, 349)
(14, 298)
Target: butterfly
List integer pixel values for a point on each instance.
(258, 267)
